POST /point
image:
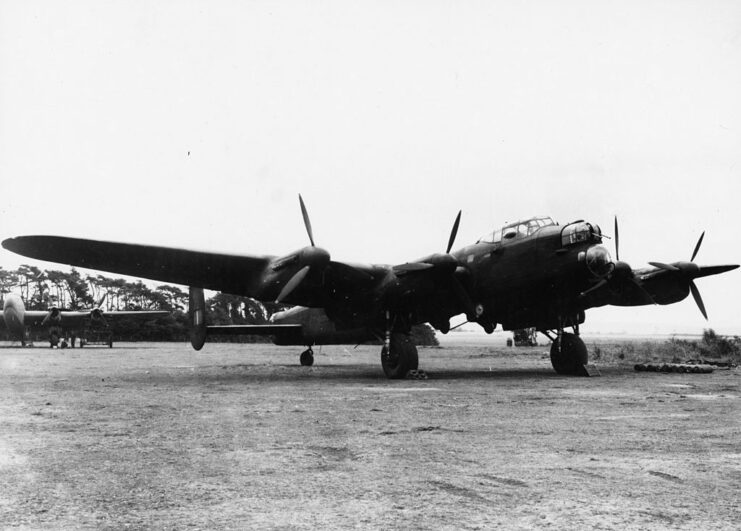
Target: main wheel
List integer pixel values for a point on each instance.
(307, 358)
(569, 355)
(401, 358)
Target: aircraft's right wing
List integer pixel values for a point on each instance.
(220, 272)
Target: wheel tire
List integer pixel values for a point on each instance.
(572, 356)
(401, 359)
(307, 358)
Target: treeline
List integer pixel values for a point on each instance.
(43, 289)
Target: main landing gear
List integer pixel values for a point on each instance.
(399, 356)
(399, 353)
(307, 357)
(569, 353)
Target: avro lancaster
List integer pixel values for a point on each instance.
(532, 273)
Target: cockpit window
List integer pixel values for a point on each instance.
(492, 237)
(520, 229)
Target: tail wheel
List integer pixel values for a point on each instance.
(400, 358)
(569, 355)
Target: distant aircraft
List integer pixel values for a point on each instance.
(61, 324)
(532, 273)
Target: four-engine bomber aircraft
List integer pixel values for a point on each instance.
(533, 273)
(60, 323)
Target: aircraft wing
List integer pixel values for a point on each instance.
(235, 274)
(129, 314)
(34, 317)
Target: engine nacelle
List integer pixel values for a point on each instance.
(317, 328)
(96, 316)
(53, 318)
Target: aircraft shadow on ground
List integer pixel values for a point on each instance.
(288, 373)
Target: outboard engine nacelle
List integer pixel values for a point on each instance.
(96, 316)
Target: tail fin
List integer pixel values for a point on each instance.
(197, 317)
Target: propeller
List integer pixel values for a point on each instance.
(460, 291)
(623, 275)
(693, 287)
(96, 315)
(690, 271)
(314, 255)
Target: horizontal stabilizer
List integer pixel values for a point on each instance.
(257, 330)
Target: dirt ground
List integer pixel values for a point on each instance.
(241, 436)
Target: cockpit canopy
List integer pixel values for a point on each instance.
(520, 229)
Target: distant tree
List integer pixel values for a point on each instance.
(8, 279)
(175, 298)
(77, 289)
(424, 336)
(58, 287)
(233, 309)
(24, 275)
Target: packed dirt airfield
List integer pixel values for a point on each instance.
(242, 436)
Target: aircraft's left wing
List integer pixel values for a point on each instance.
(220, 272)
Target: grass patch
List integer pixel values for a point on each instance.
(711, 348)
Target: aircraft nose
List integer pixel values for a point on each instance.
(599, 262)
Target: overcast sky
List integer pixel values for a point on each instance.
(196, 124)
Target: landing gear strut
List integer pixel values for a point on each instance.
(307, 357)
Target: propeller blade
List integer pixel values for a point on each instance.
(617, 241)
(646, 293)
(454, 232)
(293, 283)
(411, 267)
(666, 267)
(697, 297)
(597, 286)
(697, 248)
(307, 222)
